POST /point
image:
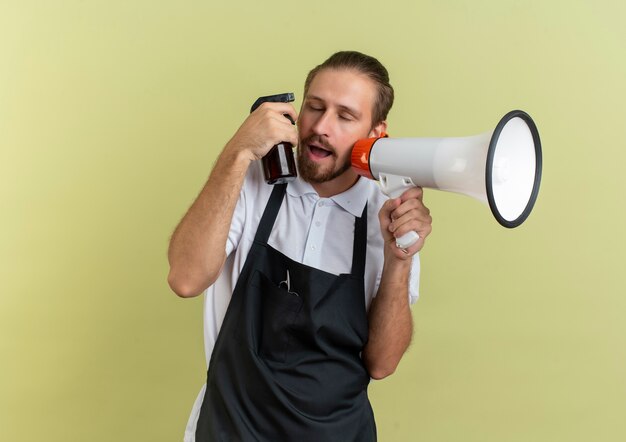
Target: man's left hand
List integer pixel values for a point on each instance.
(399, 216)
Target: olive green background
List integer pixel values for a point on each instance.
(112, 113)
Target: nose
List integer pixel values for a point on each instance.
(322, 125)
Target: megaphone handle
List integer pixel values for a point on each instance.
(407, 240)
(393, 186)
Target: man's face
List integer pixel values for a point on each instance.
(336, 112)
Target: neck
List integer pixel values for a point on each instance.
(337, 185)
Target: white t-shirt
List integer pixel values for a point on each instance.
(318, 232)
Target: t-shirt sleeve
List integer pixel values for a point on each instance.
(239, 215)
(414, 279)
(236, 225)
(253, 192)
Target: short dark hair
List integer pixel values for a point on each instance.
(367, 65)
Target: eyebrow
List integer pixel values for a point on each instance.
(341, 107)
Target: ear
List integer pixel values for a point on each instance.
(380, 130)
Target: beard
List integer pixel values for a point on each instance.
(312, 172)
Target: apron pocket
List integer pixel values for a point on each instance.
(278, 313)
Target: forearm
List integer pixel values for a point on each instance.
(197, 247)
(390, 321)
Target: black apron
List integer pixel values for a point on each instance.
(286, 365)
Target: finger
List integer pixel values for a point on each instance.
(422, 227)
(408, 252)
(292, 134)
(386, 210)
(412, 208)
(282, 109)
(414, 248)
(384, 218)
(411, 193)
(281, 130)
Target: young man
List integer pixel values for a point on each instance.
(307, 294)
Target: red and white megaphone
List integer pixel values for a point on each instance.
(501, 168)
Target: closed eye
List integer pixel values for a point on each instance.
(315, 108)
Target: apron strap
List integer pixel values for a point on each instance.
(360, 244)
(269, 215)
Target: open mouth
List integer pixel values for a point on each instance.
(319, 152)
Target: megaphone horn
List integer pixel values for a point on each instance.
(501, 168)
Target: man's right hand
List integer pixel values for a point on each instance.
(263, 129)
